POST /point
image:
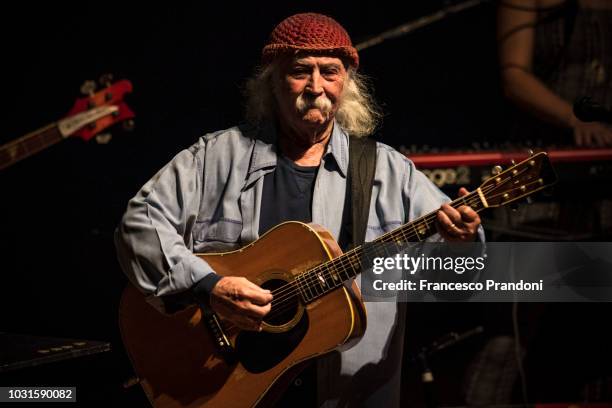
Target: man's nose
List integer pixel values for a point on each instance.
(315, 84)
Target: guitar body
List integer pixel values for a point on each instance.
(178, 360)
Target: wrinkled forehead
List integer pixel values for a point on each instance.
(314, 58)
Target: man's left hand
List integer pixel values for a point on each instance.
(458, 225)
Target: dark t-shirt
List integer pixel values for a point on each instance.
(287, 194)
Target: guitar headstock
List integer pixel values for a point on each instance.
(521, 180)
(94, 113)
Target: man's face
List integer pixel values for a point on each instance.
(308, 91)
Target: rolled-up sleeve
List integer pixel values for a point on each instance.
(421, 197)
(154, 239)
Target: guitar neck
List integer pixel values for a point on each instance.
(29, 144)
(326, 277)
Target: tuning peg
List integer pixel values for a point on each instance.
(496, 170)
(129, 125)
(512, 162)
(106, 80)
(529, 200)
(530, 152)
(103, 138)
(88, 87)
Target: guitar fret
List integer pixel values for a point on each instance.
(380, 250)
(403, 231)
(424, 228)
(347, 265)
(418, 237)
(346, 274)
(329, 274)
(27, 145)
(313, 283)
(386, 250)
(300, 288)
(355, 264)
(320, 279)
(335, 276)
(397, 242)
(306, 286)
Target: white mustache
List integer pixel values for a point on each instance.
(322, 103)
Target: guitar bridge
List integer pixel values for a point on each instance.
(222, 343)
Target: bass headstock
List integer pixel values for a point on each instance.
(99, 110)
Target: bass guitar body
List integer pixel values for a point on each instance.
(195, 359)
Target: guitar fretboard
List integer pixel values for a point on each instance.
(330, 275)
(29, 144)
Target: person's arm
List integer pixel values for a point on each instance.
(421, 196)
(154, 245)
(459, 230)
(516, 21)
(154, 238)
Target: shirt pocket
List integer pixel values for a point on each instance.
(222, 234)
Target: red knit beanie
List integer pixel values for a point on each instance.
(310, 32)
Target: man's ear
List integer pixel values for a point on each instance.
(350, 70)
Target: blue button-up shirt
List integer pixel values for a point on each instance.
(208, 199)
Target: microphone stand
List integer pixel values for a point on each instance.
(423, 356)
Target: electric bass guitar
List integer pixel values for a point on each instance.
(88, 117)
(193, 358)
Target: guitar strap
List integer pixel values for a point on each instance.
(362, 165)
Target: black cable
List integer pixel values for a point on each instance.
(517, 337)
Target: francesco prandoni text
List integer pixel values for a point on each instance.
(459, 265)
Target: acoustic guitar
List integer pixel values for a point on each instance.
(88, 117)
(193, 358)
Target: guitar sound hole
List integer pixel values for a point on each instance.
(284, 304)
(260, 351)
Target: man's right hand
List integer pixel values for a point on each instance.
(241, 302)
(592, 134)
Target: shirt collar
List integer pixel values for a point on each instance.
(338, 149)
(265, 150)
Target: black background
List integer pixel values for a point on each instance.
(187, 62)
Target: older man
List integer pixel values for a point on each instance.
(289, 163)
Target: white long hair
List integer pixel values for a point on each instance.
(358, 114)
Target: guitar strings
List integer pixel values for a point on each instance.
(289, 290)
(345, 259)
(286, 293)
(311, 284)
(281, 302)
(309, 280)
(472, 199)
